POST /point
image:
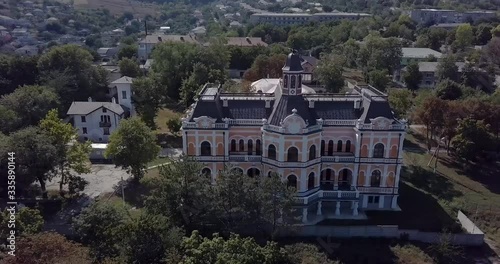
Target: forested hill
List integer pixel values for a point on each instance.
(192, 2)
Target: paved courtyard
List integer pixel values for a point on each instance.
(102, 179)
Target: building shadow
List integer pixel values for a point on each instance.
(430, 182)
(135, 193)
(410, 146)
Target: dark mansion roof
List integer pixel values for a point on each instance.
(251, 106)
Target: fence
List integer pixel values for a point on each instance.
(475, 237)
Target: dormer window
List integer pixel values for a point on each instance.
(104, 110)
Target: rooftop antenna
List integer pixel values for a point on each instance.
(146, 26)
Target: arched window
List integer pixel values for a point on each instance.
(258, 147)
(292, 181)
(378, 150)
(269, 174)
(233, 145)
(344, 180)
(330, 148)
(250, 147)
(206, 172)
(237, 170)
(312, 152)
(206, 150)
(271, 152)
(339, 146)
(293, 154)
(285, 80)
(300, 81)
(375, 178)
(322, 148)
(348, 146)
(310, 181)
(293, 82)
(242, 145)
(252, 172)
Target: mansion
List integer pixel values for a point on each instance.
(342, 152)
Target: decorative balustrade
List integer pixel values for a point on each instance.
(290, 164)
(380, 160)
(398, 126)
(385, 190)
(274, 128)
(194, 125)
(337, 195)
(245, 122)
(364, 126)
(339, 122)
(282, 130)
(245, 158)
(341, 159)
(209, 158)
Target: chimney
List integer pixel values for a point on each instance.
(357, 104)
(90, 99)
(146, 27)
(248, 40)
(311, 104)
(268, 103)
(182, 38)
(159, 39)
(113, 100)
(224, 103)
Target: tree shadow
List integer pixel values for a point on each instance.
(413, 147)
(134, 192)
(486, 173)
(430, 182)
(364, 251)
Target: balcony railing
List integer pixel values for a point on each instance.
(339, 122)
(385, 190)
(380, 160)
(282, 130)
(245, 158)
(209, 158)
(104, 124)
(290, 164)
(336, 195)
(339, 159)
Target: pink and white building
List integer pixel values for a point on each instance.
(342, 152)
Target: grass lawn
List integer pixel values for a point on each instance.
(157, 161)
(163, 116)
(475, 191)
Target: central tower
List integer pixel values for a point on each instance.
(292, 75)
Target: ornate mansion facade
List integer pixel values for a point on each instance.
(342, 152)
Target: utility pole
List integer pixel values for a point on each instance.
(123, 192)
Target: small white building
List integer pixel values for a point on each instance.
(95, 121)
(121, 89)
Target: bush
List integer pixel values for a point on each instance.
(174, 125)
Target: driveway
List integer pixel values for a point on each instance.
(102, 179)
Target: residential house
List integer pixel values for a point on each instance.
(428, 71)
(285, 19)
(199, 31)
(235, 24)
(19, 32)
(107, 54)
(435, 16)
(242, 42)
(341, 152)
(414, 55)
(121, 90)
(309, 64)
(27, 51)
(51, 20)
(113, 74)
(149, 42)
(95, 121)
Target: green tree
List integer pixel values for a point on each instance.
(496, 31)
(181, 193)
(129, 67)
(400, 101)
(301, 253)
(329, 73)
(30, 104)
(483, 34)
(471, 139)
(72, 157)
(174, 125)
(17, 71)
(412, 76)
(379, 79)
(431, 114)
(275, 202)
(127, 51)
(132, 146)
(447, 69)
(449, 90)
(147, 99)
(48, 247)
(464, 36)
(28, 222)
(148, 238)
(432, 38)
(68, 69)
(98, 226)
(35, 158)
(9, 120)
(350, 50)
(197, 249)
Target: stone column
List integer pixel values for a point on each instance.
(319, 208)
(355, 208)
(337, 208)
(304, 215)
(394, 203)
(381, 202)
